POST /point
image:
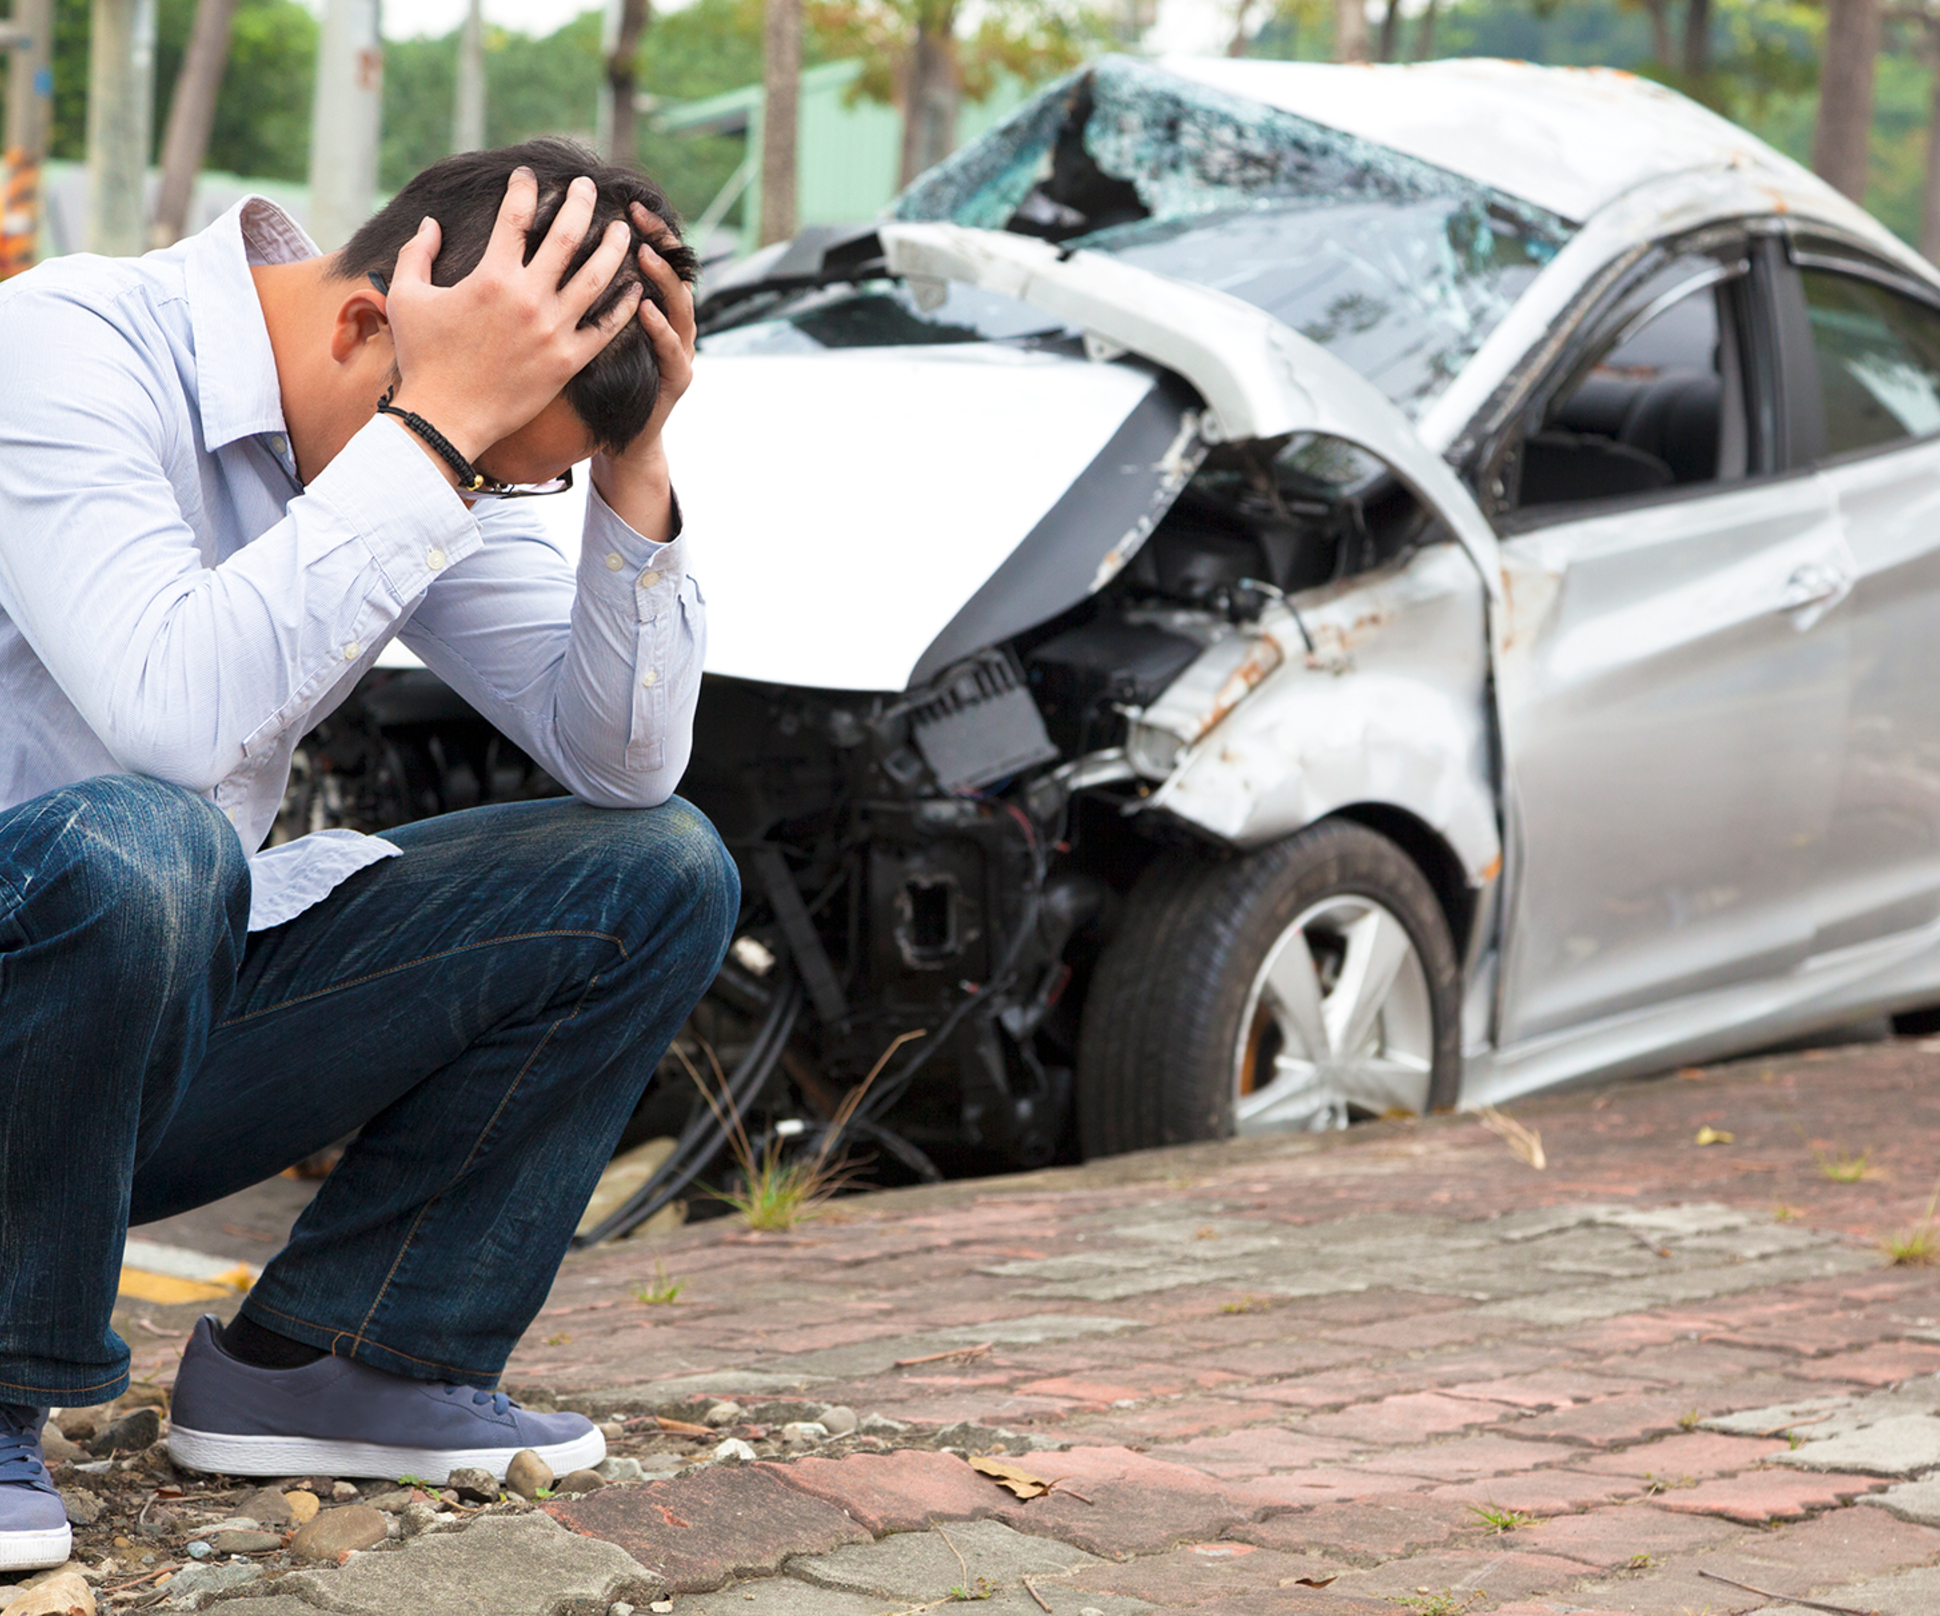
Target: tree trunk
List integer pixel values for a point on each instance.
(1242, 14)
(1660, 32)
(781, 77)
(1390, 30)
(1697, 39)
(121, 96)
(930, 92)
(622, 80)
(1930, 191)
(1846, 95)
(1425, 32)
(191, 115)
(1350, 30)
(468, 104)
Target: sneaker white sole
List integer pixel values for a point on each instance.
(223, 1455)
(35, 1551)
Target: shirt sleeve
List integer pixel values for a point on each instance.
(595, 675)
(186, 667)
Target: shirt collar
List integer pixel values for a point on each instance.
(235, 367)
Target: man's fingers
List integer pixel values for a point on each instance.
(568, 230)
(515, 215)
(670, 353)
(584, 289)
(610, 324)
(416, 256)
(678, 295)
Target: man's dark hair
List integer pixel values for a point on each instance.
(615, 394)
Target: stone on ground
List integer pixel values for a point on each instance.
(341, 1531)
(911, 1567)
(63, 1594)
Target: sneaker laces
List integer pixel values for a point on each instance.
(498, 1401)
(20, 1459)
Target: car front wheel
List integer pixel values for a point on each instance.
(1302, 986)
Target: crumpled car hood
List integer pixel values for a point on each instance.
(843, 506)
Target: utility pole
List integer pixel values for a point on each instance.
(28, 42)
(344, 127)
(781, 75)
(121, 109)
(191, 115)
(468, 107)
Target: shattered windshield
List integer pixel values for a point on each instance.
(1399, 268)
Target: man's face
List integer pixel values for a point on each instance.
(544, 448)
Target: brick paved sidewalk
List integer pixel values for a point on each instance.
(1395, 1370)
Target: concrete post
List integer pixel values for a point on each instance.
(468, 106)
(30, 77)
(347, 118)
(121, 115)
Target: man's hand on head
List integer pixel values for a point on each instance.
(482, 358)
(635, 483)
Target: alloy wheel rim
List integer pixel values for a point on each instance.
(1338, 1023)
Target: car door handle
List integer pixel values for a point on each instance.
(1814, 588)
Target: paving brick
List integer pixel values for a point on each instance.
(1614, 1421)
(701, 1530)
(1549, 1388)
(1461, 1458)
(896, 1492)
(1136, 1504)
(1541, 1492)
(1407, 1418)
(1844, 1543)
(915, 1567)
(1219, 1577)
(1255, 1451)
(1766, 1495)
(1696, 1454)
(1886, 1364)
(1613, 1537)
(1324, 1484)
(1363, 1532)
(1500, 1574)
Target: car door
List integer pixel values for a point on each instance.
(1671, 670)
(1862, 363)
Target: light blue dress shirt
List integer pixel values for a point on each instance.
(175, 603)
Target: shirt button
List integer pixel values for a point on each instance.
(649, 579)
(352, 650)
(434, 558)
(280, 444)
(649, 679)
(613, 561)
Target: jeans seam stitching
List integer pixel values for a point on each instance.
(425, 959)
(112, 1380)
(424, 1211)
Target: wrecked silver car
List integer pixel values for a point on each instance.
(1262, 594)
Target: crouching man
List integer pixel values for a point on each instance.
(230, 472)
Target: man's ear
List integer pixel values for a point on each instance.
(361, 320)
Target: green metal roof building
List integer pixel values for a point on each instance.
(848, 147)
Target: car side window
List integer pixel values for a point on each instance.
(1879, 361)
(1661, 407)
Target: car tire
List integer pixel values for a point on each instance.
(1196, 1020)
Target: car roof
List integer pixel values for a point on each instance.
(1571, 140)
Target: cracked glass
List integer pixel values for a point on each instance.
(1399, 268)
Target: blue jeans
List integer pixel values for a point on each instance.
(487, 1009)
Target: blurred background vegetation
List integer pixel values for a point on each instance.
(1762, 70)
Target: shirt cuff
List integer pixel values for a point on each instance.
(615, 558)
(389, 493)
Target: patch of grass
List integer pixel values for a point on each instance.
(1445, 1603)
(777, 1194)
(1500, 1521)
(408, 1480)
(663, 1290)
(558, 1340)
(1783, 1213)
(1794, 1441)
(1248, 1303)
(1640, 1562)
(1844, 1166)
(984, 1589)
(1917, 1245)
(1690, 1419)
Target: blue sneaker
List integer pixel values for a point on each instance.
(34, 1532)
(338, 1417)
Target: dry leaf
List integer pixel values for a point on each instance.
(1526, 1143)
(1708, 1135)
(683, 1427)
(1015, 1477)
(1309, 1582)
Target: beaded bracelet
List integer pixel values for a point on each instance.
(470, 478)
